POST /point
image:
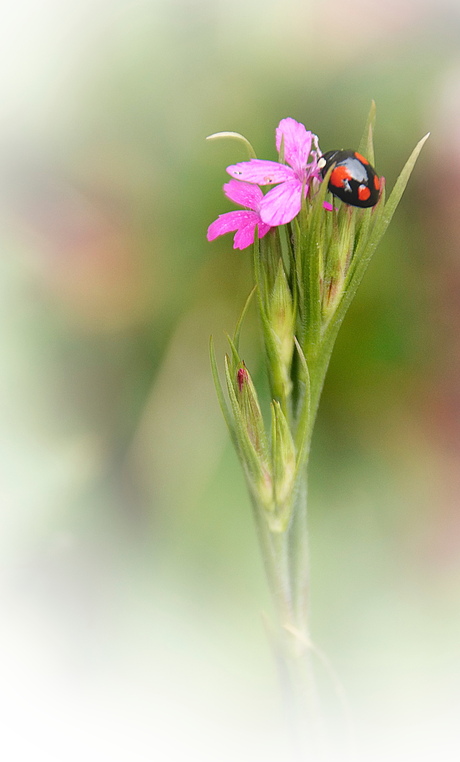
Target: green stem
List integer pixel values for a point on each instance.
(299, 559)
(286, 561)
(287, 564)
(276, 566)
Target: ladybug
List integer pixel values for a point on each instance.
(353, 179)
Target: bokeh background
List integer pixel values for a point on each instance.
(132, 592)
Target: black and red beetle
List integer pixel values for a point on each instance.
(353, 179)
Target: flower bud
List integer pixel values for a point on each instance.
(339, 255)
(283, 466)
(282, 315)
(250, 412)
(281, 319)
(250, 434)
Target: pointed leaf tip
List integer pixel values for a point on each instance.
(366, 145)
(236, 336)
(220, 392)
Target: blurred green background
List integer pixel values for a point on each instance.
(131, 586)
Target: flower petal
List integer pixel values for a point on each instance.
(281, 204)
(246, 194)
(229, 222)
(244, 237)
(297, 143)
(263, 228)
(261, 172)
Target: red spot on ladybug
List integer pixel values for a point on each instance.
(353, 179)
(363, 192)
(362, 158)
(339, 177)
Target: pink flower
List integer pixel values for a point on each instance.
(281, 204)
(244, 221)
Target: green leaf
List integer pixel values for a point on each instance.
(283, 455)
(271, 343)
(296, 276)
(236, 335)
(389, 209)
(220, 391)
(301, 437)
(281, 151)
(234, 136)
(366, 146)
(311, 244)
(257, 268)
(236, 360)
(384, 214)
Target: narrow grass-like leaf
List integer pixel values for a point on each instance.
(281, 151)
(363, 219)
(271, 344)
(289, 250)
(234, 136)
(236, 359)
(220, 392)
(236, 335)
(382, 220)
(385, 217)
(298, 277)
(311, 250)
(366, 146)
(304, 417)
(258, 271)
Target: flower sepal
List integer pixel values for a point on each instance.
(284, 459)
(251, 439)
(281, 319)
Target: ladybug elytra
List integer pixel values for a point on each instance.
(353, 179)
